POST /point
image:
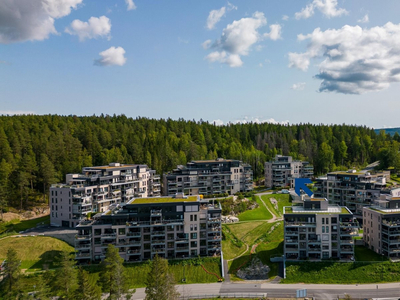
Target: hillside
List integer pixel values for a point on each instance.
(390, 131)
(37, 151)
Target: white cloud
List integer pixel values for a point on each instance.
(130, 5)
(206, 44)
(298, 86)
(95, 27)
(215, 16)
(275, 32)
(327, 7)
(22, 20)
(218, 122)
(356, 60)
(111, 57)
(237, 39)
(365, 19)
(285, 17)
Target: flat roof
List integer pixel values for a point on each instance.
(163, 200)
(332, 209)
(213, 160)
(113, 167)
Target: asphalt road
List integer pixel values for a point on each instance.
(318, 291)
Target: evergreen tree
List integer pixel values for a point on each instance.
(42, 289)
(113, 276)
(160, 283)
(66, 276)
(12, 269)
(88, 288)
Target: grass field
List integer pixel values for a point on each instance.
(283, 200)
(342, 273)
(18, 225)
(242, 228)
(260, 213)
(34, 252)
(364, 254)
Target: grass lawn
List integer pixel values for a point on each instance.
(342, 273)
(242, 228)
(34, 252)
(260, 213)
(18, 225)
(232, 246)
(283, 200)
(189, 269)
(364, 254)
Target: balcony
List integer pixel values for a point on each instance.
(83, 256)
(108, 236)
(134, 234)
(83, 237)
(83, 246)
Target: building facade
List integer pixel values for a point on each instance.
(96, 188)
(283, 169)
(180, 227)
(351, 189)
(319, 231)
(381, 226)
(209, 177)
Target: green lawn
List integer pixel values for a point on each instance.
(232, 246)
(260, 213)
(342, 273)
(242, 228)
(34, 252)
(283, 200)
(18, 225)
(364, 254)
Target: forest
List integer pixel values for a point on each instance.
(38, 150)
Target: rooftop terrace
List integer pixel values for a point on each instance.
(332, 209)
(163, 200)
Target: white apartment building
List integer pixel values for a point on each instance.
(98, 188)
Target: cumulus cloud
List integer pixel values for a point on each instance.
(206, 44)
(94, 28)
(275, 32)
(327, 7)
(237, 39)
(285, 17)
(215, 15)
(218, 122)
(298, 86)
(130, 5)
(356, 60)
(365, 19)
(22, 20)
(111, 57)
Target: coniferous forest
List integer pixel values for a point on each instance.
(36, 151)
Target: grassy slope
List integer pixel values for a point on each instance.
(364, 254)
(242, 228)
(260, 213)
(283, 200)
(34, 252)
(18, 225)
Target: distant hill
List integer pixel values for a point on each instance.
(391, 131)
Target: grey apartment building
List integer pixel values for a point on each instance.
(209, 177)
(381, 226)
(171, 227)
(317, 230)
(283, 169)
(96, 188)
(351, 188)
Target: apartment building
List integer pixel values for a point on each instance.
(317, 230)
(282, 171)
(209, 177)
(172, 227)
(96, 188)
(382, 226)
(351, 188)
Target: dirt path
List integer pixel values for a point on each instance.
(274, 217)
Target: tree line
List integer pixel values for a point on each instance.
(71, 282)
(36, 151)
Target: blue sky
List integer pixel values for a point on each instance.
(150, 61)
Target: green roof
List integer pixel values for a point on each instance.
(163, 200)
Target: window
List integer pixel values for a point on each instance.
(327, 229)
(191, 227)
(323, 229)
(193, 244)
(195, 218)
(179, 208)
(323, 221)
(191, 218)
(193, 235)
(327, 220)
(195, 227)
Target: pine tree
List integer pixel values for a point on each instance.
(160, 283)
(12, 271)
(42, 289)
(88, 288)
(113, 277)
(65, 276)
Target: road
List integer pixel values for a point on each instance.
(318, 291)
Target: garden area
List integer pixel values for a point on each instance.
(16, 226)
